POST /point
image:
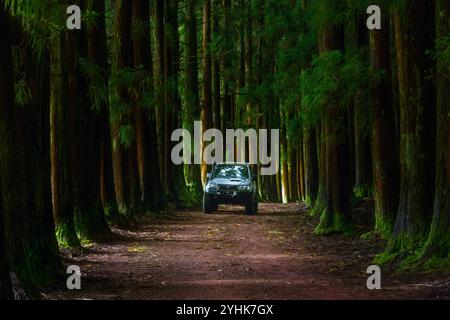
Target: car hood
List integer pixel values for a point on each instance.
(230, 182)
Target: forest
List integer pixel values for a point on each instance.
(86, 118)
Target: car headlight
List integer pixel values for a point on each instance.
(245, 188)
(212, 187)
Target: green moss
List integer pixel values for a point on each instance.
(437, 264)
(318, 208)
(90, 224)
(185, 199)
(66, 236)
(401, 250)
(362, 191)
(438, 242)
(309, 203)
(333, 222)
(36, 270)
(383, 225)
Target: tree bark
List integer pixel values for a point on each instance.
(84, 153)
(97, 52)
(126, 178)
(192, 105)
(25, 167)
(384, 142)
(206, 111)
(6, 107)
(148, 165)
(61, 179)
(311, 166)
(336, 214)
(414, 34)
(438, 243)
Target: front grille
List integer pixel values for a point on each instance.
(227, 188)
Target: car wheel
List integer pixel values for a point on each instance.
(207, 207)
(250, 208)
(215, 206)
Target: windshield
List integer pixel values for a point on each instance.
(230, 172)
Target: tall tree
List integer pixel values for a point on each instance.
(216, 72)
(98, 81)
(226, 67)
(335, 217)
(311, 165)
(192, 103)
(414, 33)
(148, 165)
(61, 179)
(84, 140)
(362, 143)
(384, 142)
(438, 243)
(6, 105)
(206, 111)
(25, 165)
(126, 178)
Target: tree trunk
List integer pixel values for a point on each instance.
(311, 166)
(6, 107)
(84, 153)
(336, 215)
(192, 105)
(216, 74)
(226, 69)
(159, 97)
(438, 243)
(148, 165)
(61, 179)
(362, 143)
(177, 191)
(384, 142)
(414, 34)
(206, 111)
(124, 154)
(97, 51)
(25, 168)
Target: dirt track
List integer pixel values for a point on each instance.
(274, 255)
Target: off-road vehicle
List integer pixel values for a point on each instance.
(231, 183)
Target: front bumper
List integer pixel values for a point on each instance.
(230, 197)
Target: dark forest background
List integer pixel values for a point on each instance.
(86, 116)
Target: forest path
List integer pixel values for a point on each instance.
(228, 255)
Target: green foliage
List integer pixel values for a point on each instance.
(98, 88)
(23, 92)
(326, 14)
(40, 19)
(138, 28)
(90, 18)
(134, 84)
(333, 78)
(127, 134)
(442, 53)
(318, 84)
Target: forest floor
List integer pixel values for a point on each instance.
(228, 255)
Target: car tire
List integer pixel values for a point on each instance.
(215, 206)
(251, 207)
(207, 205)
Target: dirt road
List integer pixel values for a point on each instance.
(274, 255)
